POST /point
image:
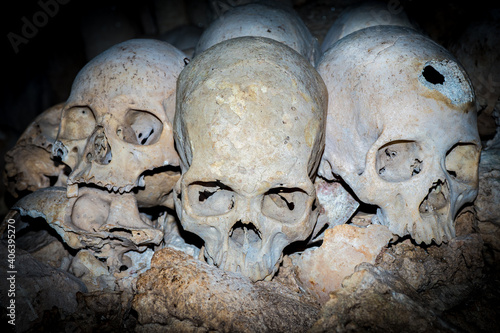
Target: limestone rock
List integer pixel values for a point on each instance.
(101, 311)
(373, 300)
(321, 270)
(183, 293)
(39, 288)
(488, 199)
(444, 275)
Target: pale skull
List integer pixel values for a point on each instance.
(107, 224)
(269, 19)
(249, 128)
(29, 165)
(363, 15)
(116, 123)
(401, 129)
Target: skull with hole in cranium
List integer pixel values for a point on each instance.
(249, 128)
(116, 123)
(401, 129)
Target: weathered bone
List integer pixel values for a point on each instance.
(28, 165)
(108, 224)
(249, 130)
(401, 129)
(116, 123)
(270, 20)
(364, 15)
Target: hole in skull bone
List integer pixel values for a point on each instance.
(452, 173)
(399, 161)
(432, 75)
(436, 200)
(120, 231)
(283, 197)
(208, 189)
(281, 201)
(141, 128)
(210, 198)
(145, 139)
(60, 152)
(205, 194)
(244, 234)
(286, 204)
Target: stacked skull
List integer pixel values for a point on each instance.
(401, 129)
(249, 127)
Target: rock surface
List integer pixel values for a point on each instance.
(182, 293)
(373, 300)
(321, 270)
(38, 288)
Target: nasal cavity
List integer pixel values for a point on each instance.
(437, 201)
(244, 234)
(98, 149)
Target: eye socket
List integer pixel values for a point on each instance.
(462, 161)
(77, 123)
(210, 198)
(285, 204)
(398, 161)
(140, 128)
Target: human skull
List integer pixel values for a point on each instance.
(116, 123)
(363, 15)
(270, 20)
(249, 129)
(29, 165)
(108, 224)
(401, 129)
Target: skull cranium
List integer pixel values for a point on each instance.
(401, 129)
(29, 164)
(116, 123)
(249, 128)
(269, 20)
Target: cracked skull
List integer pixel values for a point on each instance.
(249, 128)
(116, 123)
(401, 129)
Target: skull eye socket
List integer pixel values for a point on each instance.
(140, 128)
(398, 161)
(77, 123)
(285, 204)
(210, 198)
(462, 162)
